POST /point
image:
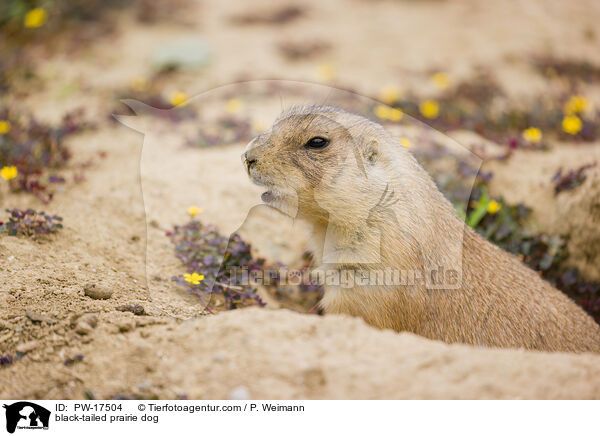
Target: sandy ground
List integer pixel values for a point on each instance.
(284, 355)
(177, 350)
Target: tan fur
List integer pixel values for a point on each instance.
(341, 190)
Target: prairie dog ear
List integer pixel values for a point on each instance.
(371, 151)
(367, 156)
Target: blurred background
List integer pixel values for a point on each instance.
(79, 49)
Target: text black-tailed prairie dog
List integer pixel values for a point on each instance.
(373, 208)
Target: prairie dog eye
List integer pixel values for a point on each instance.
(317, 142)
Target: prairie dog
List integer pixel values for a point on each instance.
(373, 208)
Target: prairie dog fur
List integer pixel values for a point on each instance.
(372, 207)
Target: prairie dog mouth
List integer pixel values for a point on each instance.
(275, 196)
(271, 196)
(267, 196)
(282, 199)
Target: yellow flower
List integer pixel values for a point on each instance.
(532, 134)
(493, 207)
(233, 105)
(390, 94)
(140, 84)
(9, 173)
(571, 124)
(429, 108)
(396, 114)
(35, 18)
(440, 80)
(179, 98)
(193, 211)
(382, 112)
(406, 143)
(194, 279)
(4, 127)
(388, 113)
(326, 72)
(576, 104)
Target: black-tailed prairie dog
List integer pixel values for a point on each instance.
(375, 211)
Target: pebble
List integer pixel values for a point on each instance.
(97, 292)
(86, 323)
(88, 318)
(126, 325)
(83, 328)
(240, 393)
(145, 386)
(27, 347)
(6, 336)
(219, 358)
(136, 309)
(38, 317)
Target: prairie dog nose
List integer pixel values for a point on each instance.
(252, 153)
(249, 159)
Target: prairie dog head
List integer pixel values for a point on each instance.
(316, 162)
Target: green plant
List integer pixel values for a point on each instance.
(30, 223)
(211, 260)
(36, 151)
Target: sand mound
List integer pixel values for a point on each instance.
(280, 354)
